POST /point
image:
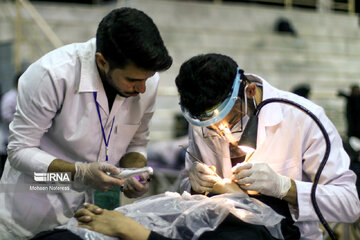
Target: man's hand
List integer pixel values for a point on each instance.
(261, 178)
(202, 178)
(111, 223)
(136, 186)
(95, 175)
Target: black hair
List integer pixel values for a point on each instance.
(204, 81)
(302, 90)
(128, 35)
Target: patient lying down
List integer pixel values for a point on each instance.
(107, 222)
(177, 216)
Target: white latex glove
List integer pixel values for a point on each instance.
(202, 178)
(95, 175)
(136, 186)
(261, 178)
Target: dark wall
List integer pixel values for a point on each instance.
(77, 1)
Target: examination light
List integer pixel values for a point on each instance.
(249, 138)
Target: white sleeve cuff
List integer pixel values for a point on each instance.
(38, 162)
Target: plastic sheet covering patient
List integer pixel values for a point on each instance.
(188, 216)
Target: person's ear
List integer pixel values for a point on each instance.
(101, 62)
(251, 90)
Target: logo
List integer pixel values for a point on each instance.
(52, 177)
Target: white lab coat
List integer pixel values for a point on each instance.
(56, 117)
(293, 145)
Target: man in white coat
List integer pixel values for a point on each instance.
(80, 109)
(217, 98)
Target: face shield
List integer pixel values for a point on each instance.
(223, 124)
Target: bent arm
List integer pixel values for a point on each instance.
(336, 192)
(39, 99)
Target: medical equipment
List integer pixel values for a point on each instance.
(129, 172)
(251, 132)
(191, 155)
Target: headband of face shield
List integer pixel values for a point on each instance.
(218, 113)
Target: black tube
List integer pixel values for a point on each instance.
(322, 163)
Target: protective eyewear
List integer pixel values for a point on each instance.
(218, 113)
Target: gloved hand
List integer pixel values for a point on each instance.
(95, 175)
(202, 178)
(136, 186)
(261, 178)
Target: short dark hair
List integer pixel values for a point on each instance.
(302, 90)
(128, 35)
(204, 81)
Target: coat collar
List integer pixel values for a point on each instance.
(90, 80)
(271, 114)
